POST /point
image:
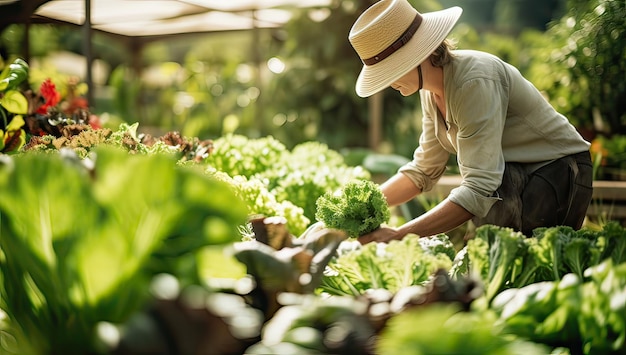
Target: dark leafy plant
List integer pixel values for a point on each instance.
(280, 262)
(309, 324)
(191, 320)
(353, 325)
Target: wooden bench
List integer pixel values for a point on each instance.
(608, 203)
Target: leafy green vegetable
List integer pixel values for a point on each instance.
(544, 311)
(494, 256)
(305, 185)
(553, 241)
(443, 329)
(299, 176)
(577, 255)
(460, 265)
(79, 245)
(601, 312)
(502, 258)
(314, 153)
(586, 316)
(438, 244)
(238, 155)
(313, 169)
(389, 266)
(358, 208)
(612, 241)
(260, 201)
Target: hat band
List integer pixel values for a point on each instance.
(406, 36)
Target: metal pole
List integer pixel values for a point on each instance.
(27, 41)
(87, 37)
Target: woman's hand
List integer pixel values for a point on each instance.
(382, 234)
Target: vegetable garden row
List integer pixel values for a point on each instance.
(102, 246)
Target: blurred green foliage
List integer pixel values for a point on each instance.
(609, 157)
(508, 16)
(103, 229)
(211, 85)
(583, 72)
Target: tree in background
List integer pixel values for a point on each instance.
(579, 62)
(596, 52)
(315, 94)
(509, 16)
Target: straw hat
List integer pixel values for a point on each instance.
(392, 38)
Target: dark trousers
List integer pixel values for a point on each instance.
(556, 194)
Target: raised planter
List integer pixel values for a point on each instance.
(609, 201)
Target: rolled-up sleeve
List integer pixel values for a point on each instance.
(478, 108)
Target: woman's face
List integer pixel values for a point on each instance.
(408, 84)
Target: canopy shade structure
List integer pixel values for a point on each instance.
(142, 21)
(154, 18)
(137, 22)
(148, 20)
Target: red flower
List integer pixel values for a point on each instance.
(50, 94)
(94, 122)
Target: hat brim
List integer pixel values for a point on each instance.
(434, 28)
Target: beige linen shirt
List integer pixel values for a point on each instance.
(494, 115)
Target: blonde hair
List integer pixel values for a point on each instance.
(443, 54)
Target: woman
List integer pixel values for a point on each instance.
(523, 165)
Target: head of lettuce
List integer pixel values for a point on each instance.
(357, 208)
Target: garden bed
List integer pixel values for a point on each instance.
(609, 200)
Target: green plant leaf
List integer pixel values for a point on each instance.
(13, 75)
(14, 102)
(14, 138)
(84, 241)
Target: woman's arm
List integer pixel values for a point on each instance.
(444, 217)
(399, 189)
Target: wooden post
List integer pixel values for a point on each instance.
(375, 105)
